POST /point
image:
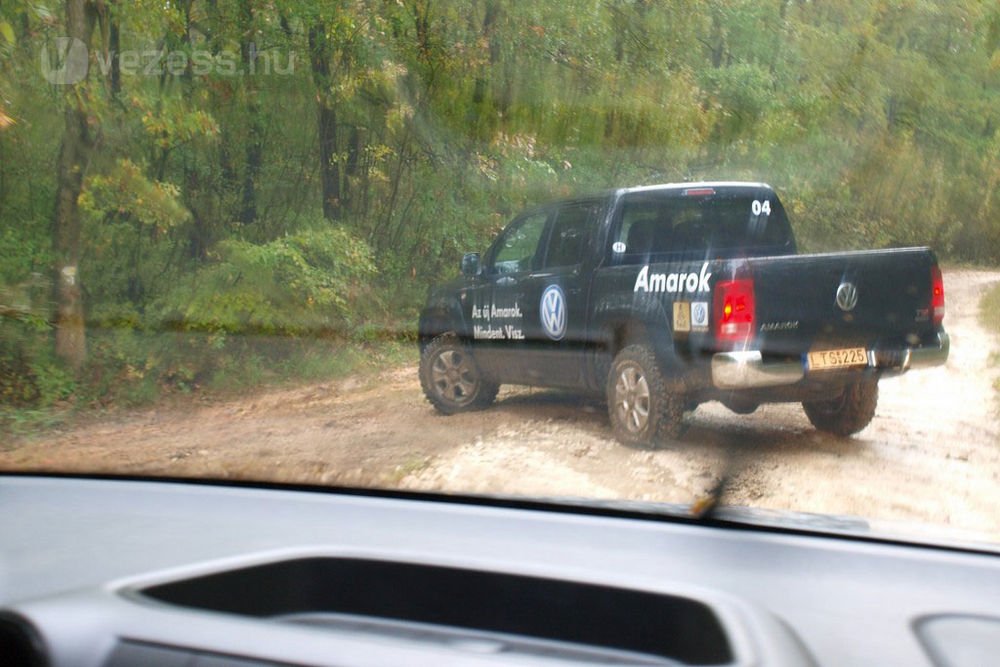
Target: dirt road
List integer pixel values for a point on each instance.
(932, 454)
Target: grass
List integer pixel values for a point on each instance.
(989, 316)
(23, 422)
(989, 310)
(312, 361)
(411, 466)
(247, 367)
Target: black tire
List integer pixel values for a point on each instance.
(741, 407)
(847, 414)
(643, 408)
(451, 379)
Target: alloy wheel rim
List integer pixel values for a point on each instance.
(454, 377)
(632, 399)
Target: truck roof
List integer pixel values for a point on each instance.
(689, 185)
(693, 185)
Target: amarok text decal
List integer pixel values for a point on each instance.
(672, 283)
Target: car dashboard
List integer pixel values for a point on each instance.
(115, 572)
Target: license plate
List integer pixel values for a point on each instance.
(846, 358)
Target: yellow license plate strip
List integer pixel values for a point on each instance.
(844, 358)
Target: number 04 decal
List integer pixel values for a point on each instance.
(759, 207)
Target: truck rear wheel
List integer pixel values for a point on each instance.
(451, 379)
(643, 409)
(848, 414)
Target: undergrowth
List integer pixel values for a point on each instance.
(167, 368)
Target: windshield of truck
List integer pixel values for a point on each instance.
(495, 248)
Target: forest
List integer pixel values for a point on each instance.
(205, 193)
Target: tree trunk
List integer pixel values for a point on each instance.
(328, 161)
(355, 146)
(74, 156)
(254, 147)
(329, 164)
(717, 44)
(115, 46)
(107, 16)
(198, 234)
(482, 82)
(111, 10)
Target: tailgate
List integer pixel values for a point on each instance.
(873, 299)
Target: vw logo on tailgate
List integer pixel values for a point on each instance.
(552, 311)
(847, 296)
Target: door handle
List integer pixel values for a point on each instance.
(506, 281)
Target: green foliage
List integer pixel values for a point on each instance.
(742, 93)
(29, 373)
(170, 123)
(125, 193)
(295, 285)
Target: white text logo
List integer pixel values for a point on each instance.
(672, 282)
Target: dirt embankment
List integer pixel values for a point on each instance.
(932, 454)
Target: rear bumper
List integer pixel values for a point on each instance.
(929, 355)
(748, 370)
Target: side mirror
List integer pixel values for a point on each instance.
(470, 264)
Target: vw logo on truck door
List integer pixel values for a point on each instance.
(552, 311)
(847, 296)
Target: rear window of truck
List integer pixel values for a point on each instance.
(717, 224)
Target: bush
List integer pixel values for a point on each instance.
(29, 373)
(301, 284)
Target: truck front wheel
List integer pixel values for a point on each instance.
(848, 414)
(451, 379)
(643, 409)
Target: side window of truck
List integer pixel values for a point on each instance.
(647, 226)
(570, 234)
(518, 247)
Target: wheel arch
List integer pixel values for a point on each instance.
(619, 333)
(439, 318)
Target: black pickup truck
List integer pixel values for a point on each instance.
(663, 297)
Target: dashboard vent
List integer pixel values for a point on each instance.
(524, 609)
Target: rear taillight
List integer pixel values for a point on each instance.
(937, 295)
(734, 310)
